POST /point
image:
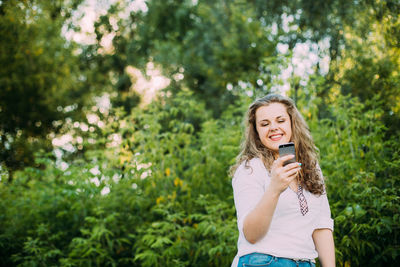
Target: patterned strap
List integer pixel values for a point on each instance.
(302, 200)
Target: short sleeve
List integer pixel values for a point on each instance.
(324, 217)
(248, 188)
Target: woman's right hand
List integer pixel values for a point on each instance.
(281, 176)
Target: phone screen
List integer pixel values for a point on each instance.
(286, 149)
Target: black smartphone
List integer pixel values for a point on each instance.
(286, 149)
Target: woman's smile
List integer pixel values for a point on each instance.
(275, 137)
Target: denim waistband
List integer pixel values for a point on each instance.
(296, 259)
(261, 258)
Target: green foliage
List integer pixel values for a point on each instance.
(117, 209)
(149, 185)
(363, 187)
(211, 43)
(178, 210)
(37, 78)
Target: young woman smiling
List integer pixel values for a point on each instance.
(283, 213)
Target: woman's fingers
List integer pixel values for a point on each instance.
(279, 162)
(283, 175)
(291, 166)
(293, 171)
(289, 171)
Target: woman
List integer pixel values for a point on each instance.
(283, 213)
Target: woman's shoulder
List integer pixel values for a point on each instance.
(249, 169)
(248, 165)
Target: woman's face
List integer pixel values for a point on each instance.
(273, 125)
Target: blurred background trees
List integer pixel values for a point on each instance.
(115, 146)
(38, 77)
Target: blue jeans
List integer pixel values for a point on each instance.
(259, 260)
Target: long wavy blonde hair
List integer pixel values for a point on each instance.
(310, 175)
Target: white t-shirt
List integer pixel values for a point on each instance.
(290, 233)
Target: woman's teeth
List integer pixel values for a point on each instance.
(275, 137)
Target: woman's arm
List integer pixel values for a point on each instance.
(256, 223)
(324, 244)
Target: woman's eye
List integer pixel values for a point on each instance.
(281, 121)
(264, 124)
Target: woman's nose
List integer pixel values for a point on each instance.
(274, 126)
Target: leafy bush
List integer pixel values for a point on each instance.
(163, 196)
(363, 186)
